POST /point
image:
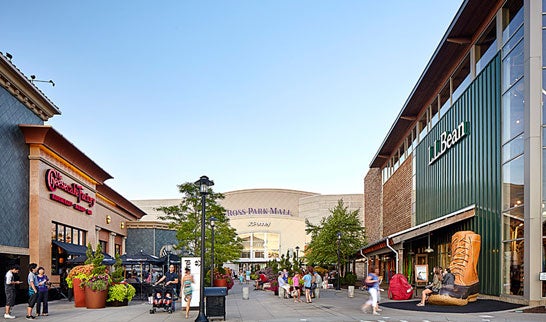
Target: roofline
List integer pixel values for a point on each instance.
(16, 83)
(458, 20)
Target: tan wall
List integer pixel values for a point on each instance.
(43, 211)
(397, 199)
(373, 196)
(297, 206)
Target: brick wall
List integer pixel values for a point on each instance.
(397, 200)
(373, 220)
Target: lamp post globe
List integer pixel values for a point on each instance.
(203, 183)
(338, 262)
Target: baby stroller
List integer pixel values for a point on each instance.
(162, 299)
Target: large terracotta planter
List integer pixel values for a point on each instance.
(220, 282)
(95, 299)
(79, 293)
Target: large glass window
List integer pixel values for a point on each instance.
(513, 107)
(512, 183)
(260, 245)
(65, 234)
(513, 148)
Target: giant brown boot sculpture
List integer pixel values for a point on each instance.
(465, 252)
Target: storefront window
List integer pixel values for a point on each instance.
(65, 234)
(513, 148)
(513, 112)
(512, 67)
(512, 183)
(260, 245)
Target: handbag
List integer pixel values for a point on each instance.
(313, 286)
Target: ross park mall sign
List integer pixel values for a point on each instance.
(258, 211)
(446, 141)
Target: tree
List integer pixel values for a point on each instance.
(186, 219)
(322, 250)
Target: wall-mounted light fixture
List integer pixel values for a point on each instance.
(122, 225)
(108, 219)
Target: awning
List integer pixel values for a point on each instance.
(429, 226)
(71, 249)
(422, 229)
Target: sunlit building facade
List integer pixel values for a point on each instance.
(467, 152)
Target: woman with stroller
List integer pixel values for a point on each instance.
(187, 280)
(171, 281)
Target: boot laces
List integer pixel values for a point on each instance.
(460, 255)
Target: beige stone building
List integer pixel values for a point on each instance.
(271, 222)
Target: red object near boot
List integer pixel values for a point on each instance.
(399, 288)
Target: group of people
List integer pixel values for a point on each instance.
(308, 280)
(441, 278)
(170, 280)
(38, 286)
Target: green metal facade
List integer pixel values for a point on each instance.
(468, 173)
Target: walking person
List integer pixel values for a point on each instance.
(43, 288)
(187, 280)
(32, 290)
(372, 281)
(9, 288)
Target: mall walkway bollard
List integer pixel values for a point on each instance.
(245, 293)
(351, 291)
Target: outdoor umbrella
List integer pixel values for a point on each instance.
(80, 260)
(170, 259)
(140, 258)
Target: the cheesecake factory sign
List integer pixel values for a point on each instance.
(258, 212)
(447, 141)
(84, 202)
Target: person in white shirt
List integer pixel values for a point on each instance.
(10, 290)
(283, 285)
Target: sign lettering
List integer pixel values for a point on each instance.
(446, 141)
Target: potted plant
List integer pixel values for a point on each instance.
(119, 292)
(76, 280)
(97, 284)
(222, 278)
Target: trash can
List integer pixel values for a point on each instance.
(215, 301)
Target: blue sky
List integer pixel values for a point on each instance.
(254, 94)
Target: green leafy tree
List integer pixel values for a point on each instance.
(186, 219)
(322, 250)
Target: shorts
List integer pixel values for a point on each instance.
(32, 300)
(10, 297)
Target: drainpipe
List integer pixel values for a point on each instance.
(366, 259)
(395, 254)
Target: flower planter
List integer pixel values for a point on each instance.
(79, 293)
(116, 303)
(95, 299)
(221, 283)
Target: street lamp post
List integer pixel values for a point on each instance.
(298, 255)
(204, 183)
(338, 262)
(212, 220)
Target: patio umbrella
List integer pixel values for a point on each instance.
(170, 259)
(140, 258)
(80, 260)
